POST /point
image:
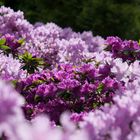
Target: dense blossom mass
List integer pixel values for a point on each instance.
(56, 84)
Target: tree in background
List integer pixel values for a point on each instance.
(103, 17)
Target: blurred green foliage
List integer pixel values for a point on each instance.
(103, 17)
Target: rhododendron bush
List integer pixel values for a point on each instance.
(56, 84)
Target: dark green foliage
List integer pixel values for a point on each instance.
(103, 17)
(1, 3)
(30, 63)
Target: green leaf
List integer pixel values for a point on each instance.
(108, 48)
(38, 82)
(97, 64)
(29, 111)
(139, 42)
(27, 55)
(14, 82)
(88, 60)
(95, 105)
(30, 63)
(21, 41)
(64, 94)
(4, 47)
(126, 52)
(2, 41)
(20, 57)
(100, 88)
(52, 79)
(37, 98)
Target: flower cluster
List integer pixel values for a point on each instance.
(9, 44)
(57, 84)
(68, 87)
(128, 50)
(10, 68)
(117, 121)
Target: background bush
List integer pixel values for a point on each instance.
(103, 17)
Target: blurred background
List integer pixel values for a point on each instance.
(102, 17)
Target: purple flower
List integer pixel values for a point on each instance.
(46, 90)
(68, 84)
(88, 88)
